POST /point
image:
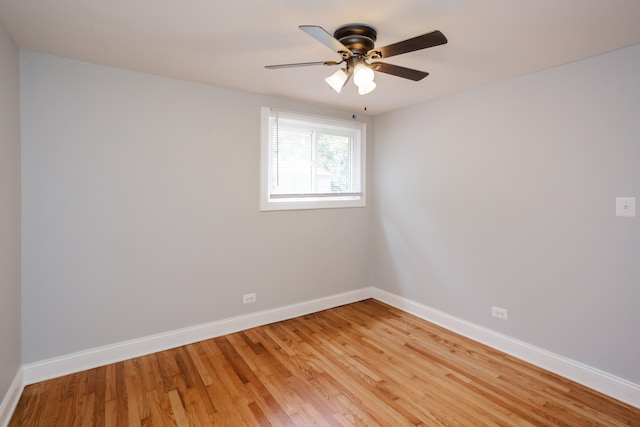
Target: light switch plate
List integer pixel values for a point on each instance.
(625, 206)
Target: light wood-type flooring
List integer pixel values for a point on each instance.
(364, 364)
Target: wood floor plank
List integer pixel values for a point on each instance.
(177, 408)
(362, 364)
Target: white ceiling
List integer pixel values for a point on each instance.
(227, 43)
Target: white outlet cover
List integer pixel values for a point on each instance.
(499, 312)
(625, 206)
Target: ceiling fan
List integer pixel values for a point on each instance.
(355, 45)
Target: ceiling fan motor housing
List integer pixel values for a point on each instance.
(359, 38)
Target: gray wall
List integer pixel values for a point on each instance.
(141, 210)
(505, 196)
(9, 212)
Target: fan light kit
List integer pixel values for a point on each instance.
(338, 79)
(355, 45)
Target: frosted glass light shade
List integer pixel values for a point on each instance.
(363, 90)
(362, 75)
(338, 79)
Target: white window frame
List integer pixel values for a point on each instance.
(269, 203)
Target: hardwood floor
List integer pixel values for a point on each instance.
(364, 364)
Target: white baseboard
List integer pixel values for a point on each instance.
(100, 356)
(8, 404)
(603, 382)
(588, 376)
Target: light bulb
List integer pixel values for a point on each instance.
(338, 79)
(362, 75)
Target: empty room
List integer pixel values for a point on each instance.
(319, 213)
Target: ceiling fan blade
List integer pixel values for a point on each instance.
(396, 70)
(301, 64)
(434, 38)
(326, 39)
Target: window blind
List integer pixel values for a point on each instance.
(313, 157)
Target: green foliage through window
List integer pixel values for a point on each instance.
(314, 157)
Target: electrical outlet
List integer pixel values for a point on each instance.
(248, 298)
(500, 313)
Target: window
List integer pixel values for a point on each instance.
(311, 162)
